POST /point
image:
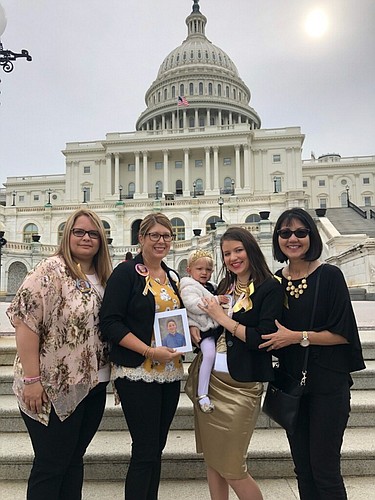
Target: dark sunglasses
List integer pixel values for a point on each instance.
(299, 233)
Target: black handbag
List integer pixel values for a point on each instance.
(283, 395)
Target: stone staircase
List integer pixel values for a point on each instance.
(108, 455)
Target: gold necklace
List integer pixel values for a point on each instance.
(296, 291)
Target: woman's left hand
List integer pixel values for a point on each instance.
(212, 308)
(282, 338)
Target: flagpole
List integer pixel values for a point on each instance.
(178, 116)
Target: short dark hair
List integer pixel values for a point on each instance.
(316, 245)
(259, 268)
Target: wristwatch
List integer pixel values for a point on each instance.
(305, 342)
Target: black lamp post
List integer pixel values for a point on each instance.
(347, 195)
(194, 187)
(84, 195)
(275, 185)
(14, 194)
(221, 203)
(157, 191)
(232, 182)
(120, 193)
(7, 56)
(49, 192)
(3, 242)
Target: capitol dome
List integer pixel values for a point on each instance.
(208, 80)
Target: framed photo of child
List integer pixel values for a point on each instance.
(171, 329)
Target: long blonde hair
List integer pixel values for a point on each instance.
(102, 260)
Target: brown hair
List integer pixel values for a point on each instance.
(102, 259)
(151, 219)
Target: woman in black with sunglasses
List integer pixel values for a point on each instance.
(335, 351)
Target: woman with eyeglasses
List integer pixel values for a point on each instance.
(62, 366)
(335, 351)
(146, 377)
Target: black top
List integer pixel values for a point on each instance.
(125, 309)
(328, 365)
(246, 362)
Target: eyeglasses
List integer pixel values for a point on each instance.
(80, 233)
(302, 232)
(156, 236)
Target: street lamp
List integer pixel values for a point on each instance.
(49, 192)
(157, 191)
(120, 193)
(7, 56)
(3, 242)
(84, 195)
(194, 187)
(14, 194)
(221, 203)
(347, 195)
(232, 182)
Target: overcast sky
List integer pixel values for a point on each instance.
(93, 61)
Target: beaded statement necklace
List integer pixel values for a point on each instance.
(296, 291)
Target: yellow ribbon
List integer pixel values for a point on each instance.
(244, 301)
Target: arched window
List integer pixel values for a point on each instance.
(159, 184)
(191, 88)
(28, 231)
(227, 91)
(211, 223)
(135, 230)
(173, 91)
(182, 90)
(252, 218)
(165, 94)
(182, 268)
(131, 189)
(191, 121)
(107, 228)
(178, 187)
(200, 88)
(178, 228)
(210, 89)
(234, 94)
(219, 90)
(60, 231)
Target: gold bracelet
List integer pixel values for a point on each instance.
(235, 328)
(145, 354)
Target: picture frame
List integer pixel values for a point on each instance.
(171, 329)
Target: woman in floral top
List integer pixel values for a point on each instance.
(61, 367)
(147, 378)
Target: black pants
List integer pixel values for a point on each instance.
(316, 444)
(57, 472)
(149, 409)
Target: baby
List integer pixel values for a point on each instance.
(192, 290)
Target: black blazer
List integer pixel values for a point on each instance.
(125, 309)
(246, 362)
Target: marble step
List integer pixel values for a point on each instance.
(358, 488)
(108, 455)
(362, 414)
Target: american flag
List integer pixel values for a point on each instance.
(182, 101)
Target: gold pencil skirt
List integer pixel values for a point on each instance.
(223, 436)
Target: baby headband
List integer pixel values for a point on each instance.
(198, 254)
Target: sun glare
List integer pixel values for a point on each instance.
(316, 23)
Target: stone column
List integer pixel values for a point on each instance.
(117, 171)
(145, 189)
(238, 166)
(137, 174)
(166, 171)
(216, 168)
(208, 168)
(108, 158)
(186, 191)
(246, 166)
